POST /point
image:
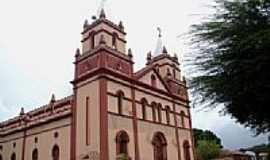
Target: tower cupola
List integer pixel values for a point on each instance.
(103, 48)
(114, 35)
(168, 65)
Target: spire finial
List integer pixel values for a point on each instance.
(85, 25)
(148, 57)
(53, 98)
(22, 111)
(184, 79)
(130, 53)
(77, 53)
(175, 56)
(102, 13)
(121, 26)
(164, 50)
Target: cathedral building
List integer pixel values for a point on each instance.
(114, 113)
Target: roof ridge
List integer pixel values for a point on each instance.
(14, 119)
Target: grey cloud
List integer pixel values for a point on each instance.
(236, 136)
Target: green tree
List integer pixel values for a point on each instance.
(230, 61)
(206, 135)
(122, 156)
(207, 150)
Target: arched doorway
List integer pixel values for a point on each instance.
(159, 146)
(55, 152)
(122, 140)
(186, 147)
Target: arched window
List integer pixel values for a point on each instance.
(174, 73)
(122, 140)
(92, 40)
(55, 152)
(160, 146)
(153, 81)
(114, 40)
(1, 158)
(13, 156)
(144, 105)
(182, 114)
(35, 154)
(186, 147)
(154, 106)
(120, 97)
(168, 111)
(159, 108)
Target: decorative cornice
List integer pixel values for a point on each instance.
(105, 72)
(179, 82)
(102, 30)
(163, 55)
(106, 48)
(106, 21)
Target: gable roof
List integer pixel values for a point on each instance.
(144, 71)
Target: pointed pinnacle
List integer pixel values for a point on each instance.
(130, 53)
(53, 98)
(78, 53)
(22, 111)
(121, 26)
(149, 56)
(175, 56)
(85, 25)
(102, 14)
(164, 50)
(184, 79)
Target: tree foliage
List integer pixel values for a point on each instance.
(230, 61)
(206, 135)
(207, 150)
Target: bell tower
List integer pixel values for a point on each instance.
(168, 68)
(103, 55)
(102, 29)
(103, 46)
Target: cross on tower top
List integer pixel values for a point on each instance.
(159, 44)
(159, 31)
(101, 7)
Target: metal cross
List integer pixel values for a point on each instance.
(159, 31)
(101, 6)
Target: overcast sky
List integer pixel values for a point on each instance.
(38, 39)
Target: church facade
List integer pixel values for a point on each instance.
(114, 112)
